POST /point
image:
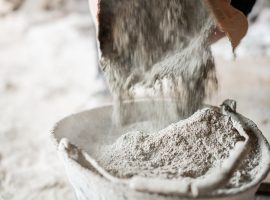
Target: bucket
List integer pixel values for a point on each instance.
(78, 137)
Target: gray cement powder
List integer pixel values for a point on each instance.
(164, 45)
(191, 148)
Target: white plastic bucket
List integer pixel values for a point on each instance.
(78, 135)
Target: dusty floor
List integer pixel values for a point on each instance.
(48, 70)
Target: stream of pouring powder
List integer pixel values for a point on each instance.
(157, 44)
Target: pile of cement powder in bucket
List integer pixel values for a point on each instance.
(191, 148)
(157, 44)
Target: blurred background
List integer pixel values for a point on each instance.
(48, 70)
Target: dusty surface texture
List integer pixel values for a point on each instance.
(9, 6)
(48, 71)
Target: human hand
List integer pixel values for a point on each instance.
(230, 22)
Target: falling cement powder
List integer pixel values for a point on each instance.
(190, 148)
(157, 44)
